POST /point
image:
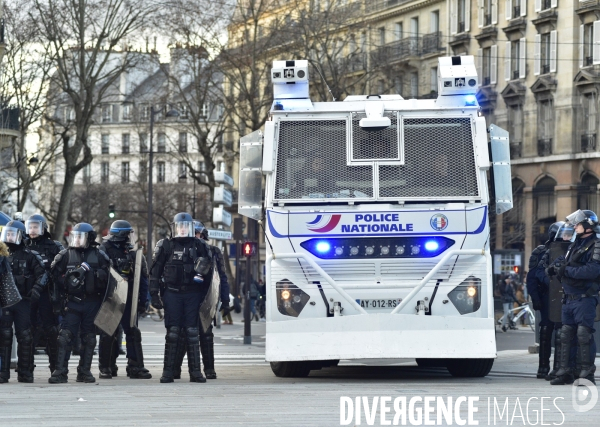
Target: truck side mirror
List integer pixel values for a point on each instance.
(499, 142)
(250, 193)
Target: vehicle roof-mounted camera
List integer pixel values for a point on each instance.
(457, 75)
(290, 79)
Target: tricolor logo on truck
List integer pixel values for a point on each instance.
(324, 223)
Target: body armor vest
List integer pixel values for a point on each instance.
(179, 269)
(573, 260)
(20, 264)
(122, 262)
(96, 278)
(536, 256)
(47, 248)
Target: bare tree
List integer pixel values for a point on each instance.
(87, 40)
(25, 79)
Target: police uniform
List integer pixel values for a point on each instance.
(48, 249)
(579, 273)
(82, 273)
(123, 260)
(31, 279)
(183, 265)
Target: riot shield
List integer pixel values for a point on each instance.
(208, 308)
(9, 294)
(557, 248)
(112, 309)
(136, 288)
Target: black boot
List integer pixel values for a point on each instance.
(135, 368)
(556, 365)
(114, 354)
(59, 375)
(565, 373)
(584, 338)
(208, 354)
(193, 351)
(170, 354)
(105, 349)
(181, 350)
(84, 373)
(6, 340)
(545, 350)
(25, 356)
(52, 343)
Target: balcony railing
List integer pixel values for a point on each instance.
(397, 50)
(545, 68)
(515, 150)
(354, 62)
(544, 147)
(378, 5)
(432, 43)
(588, 142)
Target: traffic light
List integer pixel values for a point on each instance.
(249, 249)
(111, 211)
(516, 269)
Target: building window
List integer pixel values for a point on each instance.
(143, 142)
(183, 146)
(414, 85)
(434, 21)
(545, 53)
(545, 127)
(205, 109)
(161, 143)
(182, 171)
(183, 111)
(161, 171)
(144, 112)
(547, 4)
(220, 166)
(486, 61)
(515, 123)
(434, 80)
(587, 192)
(104, 172)
(588, 44)
(105, 143)
(106, 113)
(590, 122)
(126, 112)
(399, 31)
(381, 36)
(87, 173)
(143, 171)
(202, 168)
(124, 172)
(461, 16)
(488, 10)
(125, 143)
(399, 84)
(514, 59)
(517, 10)
(544, 208)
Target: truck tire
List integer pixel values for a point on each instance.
(290, 369)
(469, 367)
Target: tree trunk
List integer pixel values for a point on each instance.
(64, 205)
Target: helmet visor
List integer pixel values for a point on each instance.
(78, 239)
(34, 227)
(11, 235)
(576, 217)
(184, 229)
(566, 233)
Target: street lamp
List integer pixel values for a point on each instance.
(33, 161)
(153, 112)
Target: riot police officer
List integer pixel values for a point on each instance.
(183, 264)
(82, 272)
(40, 240)
(538, 288)
(118, 247)
(31, 279)
(579, 272)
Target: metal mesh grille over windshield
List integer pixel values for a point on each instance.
(375, 145)
(311, 163)
(438, 161)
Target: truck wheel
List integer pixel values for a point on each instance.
(469, 367)
(291, 369)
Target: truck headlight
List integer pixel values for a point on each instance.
(466, 297)
(290, 298)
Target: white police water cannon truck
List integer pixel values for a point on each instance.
(376, 219)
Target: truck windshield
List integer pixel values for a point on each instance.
(316, 160)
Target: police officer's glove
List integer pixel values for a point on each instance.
(156, 302)
(35, 293)
(537, 304)
(560, 270)
(550, 272)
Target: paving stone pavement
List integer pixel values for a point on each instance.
(248, 394)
